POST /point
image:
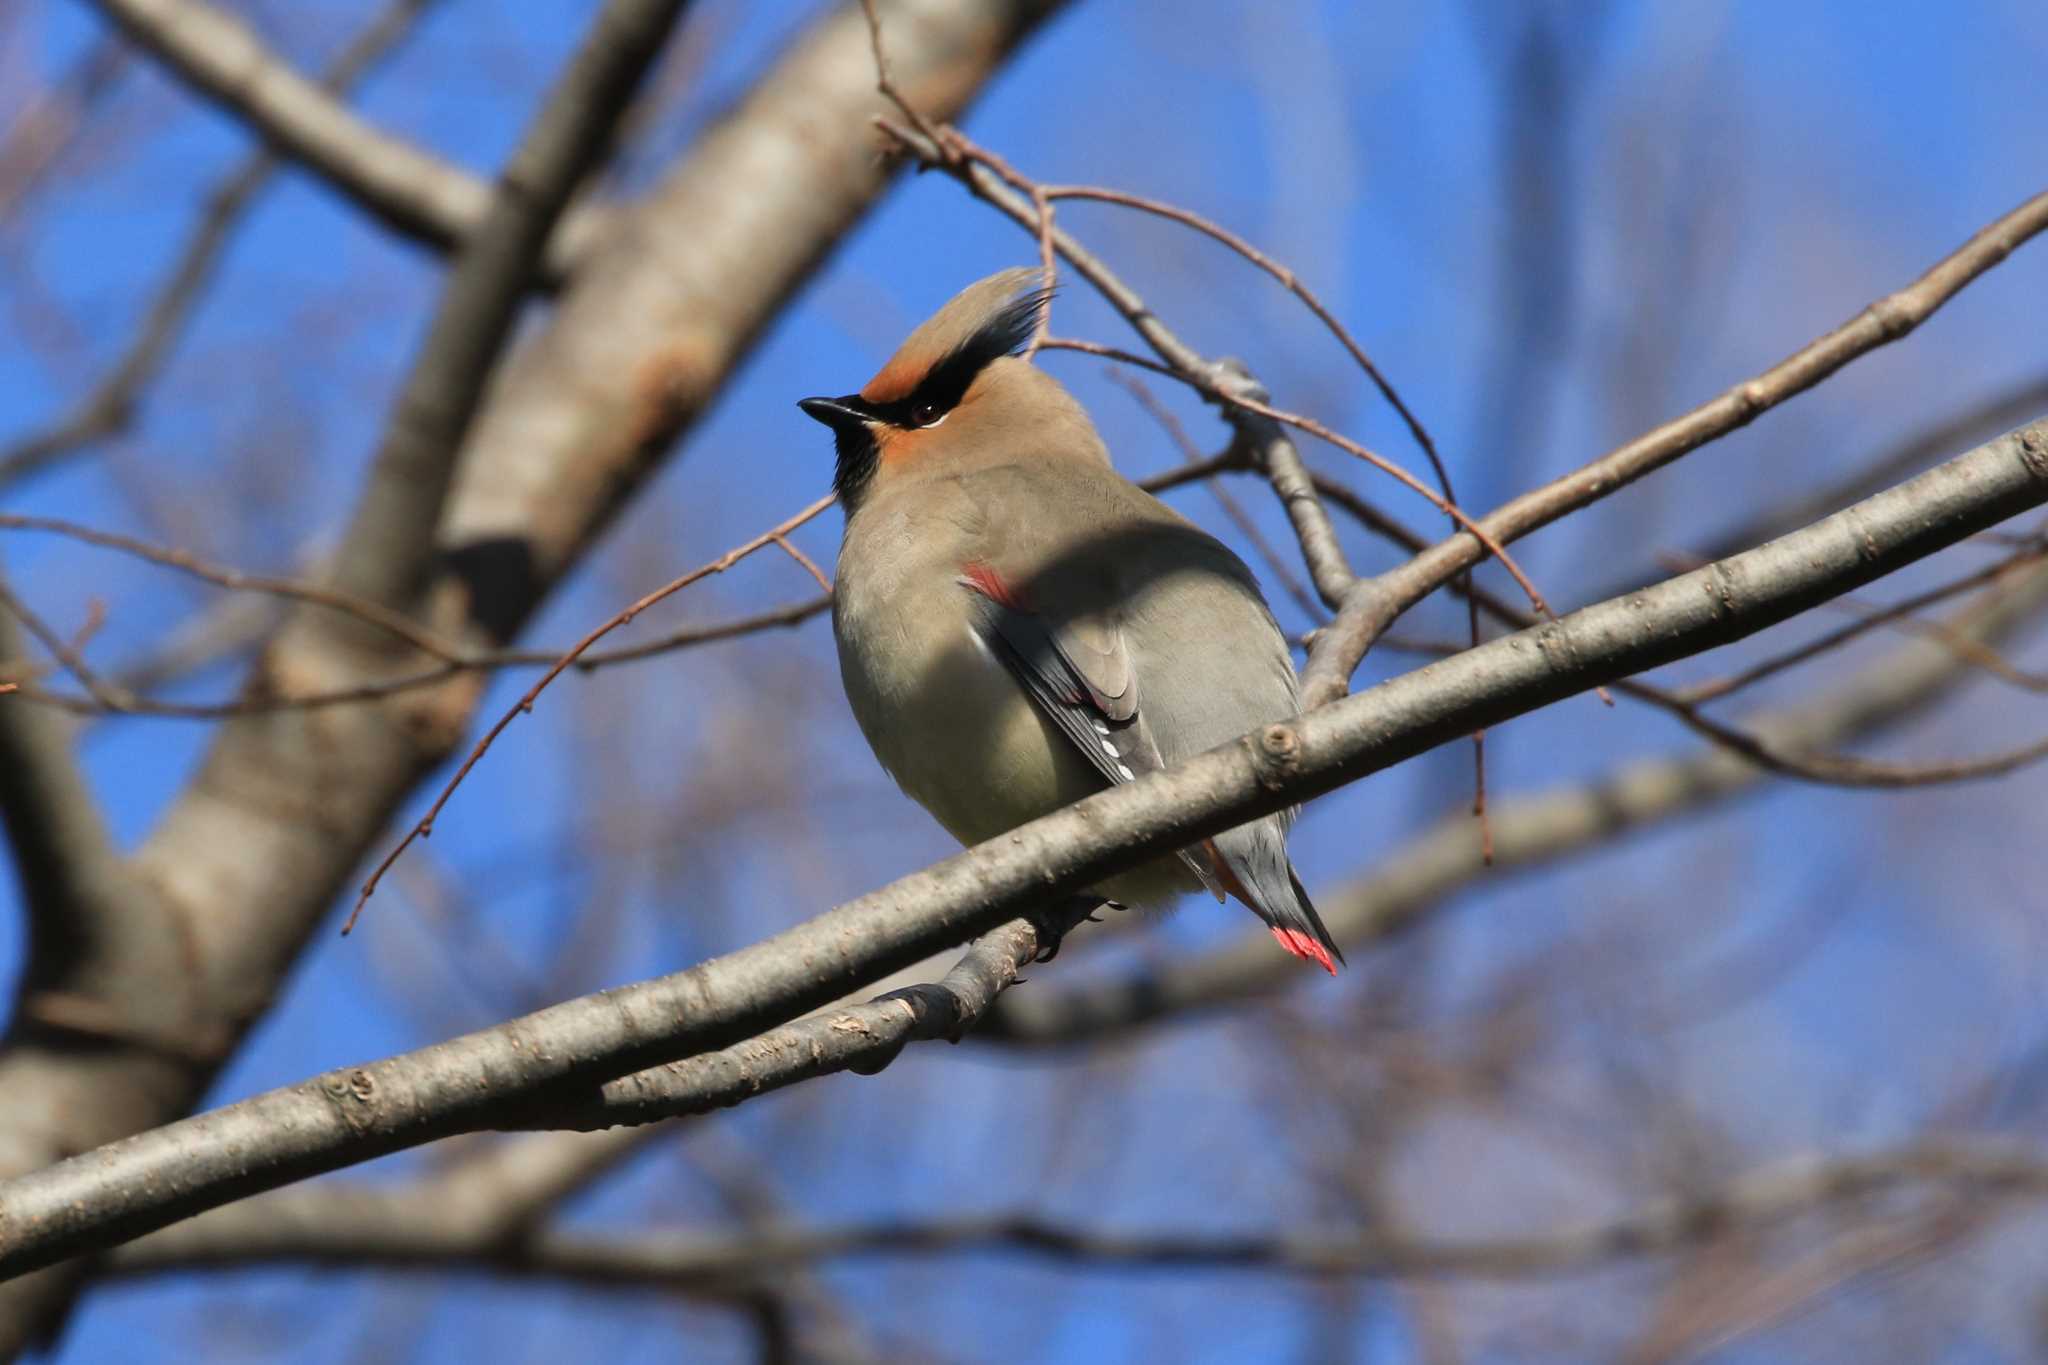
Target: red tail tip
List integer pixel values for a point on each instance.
(1305, 947)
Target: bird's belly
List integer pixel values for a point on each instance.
(961, 738)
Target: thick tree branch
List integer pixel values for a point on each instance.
(66, 863)
(558, 1055)
(389, 544)
(408, 189)
(863, 1038)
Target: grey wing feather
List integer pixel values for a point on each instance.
(1080, 677)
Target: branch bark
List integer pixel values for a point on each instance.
(389, 544)
(560, 1055)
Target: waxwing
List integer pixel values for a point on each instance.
(1019, 626)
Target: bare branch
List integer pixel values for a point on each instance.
(555, 1056)
(110, 405)
(252, 852)
(408, 189)
(490, 1197)
(1290, 282)
(372, 1236)
(1978, 423)
(389, 544)
(1871, 618)
(65, 652)
(61, 847)
(1417, 877)
(862, 1038)
(39, 134)
(213, 637)
(362, 609)
(1883, 322)
(425, 825)
(1820, 768)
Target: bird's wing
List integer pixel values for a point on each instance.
(1078, 672)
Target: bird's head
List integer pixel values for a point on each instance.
(955, 395)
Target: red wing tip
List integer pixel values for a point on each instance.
(1305, 947)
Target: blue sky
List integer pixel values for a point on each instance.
(1706, 188)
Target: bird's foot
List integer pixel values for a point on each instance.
(1054, 922)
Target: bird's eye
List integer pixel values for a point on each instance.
(925, 414)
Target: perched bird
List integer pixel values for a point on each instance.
(1019, 626)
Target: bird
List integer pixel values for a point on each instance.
(1019, 626)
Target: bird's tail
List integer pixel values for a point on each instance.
(1251, 863)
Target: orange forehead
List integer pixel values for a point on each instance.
(973, 309)
(898, 378)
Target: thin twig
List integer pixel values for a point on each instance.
(1745, 1205)
(128, 702)
(124, 702)
(1829, 770)
(397, 623)
(61, 650)
(1233, 509)
(804, 561)
(1292, 283)
(425, 825)
(885, 80)
(1881, 323)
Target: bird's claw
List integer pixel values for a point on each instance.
(1050, 934)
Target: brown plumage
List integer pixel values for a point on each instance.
(1020, 626)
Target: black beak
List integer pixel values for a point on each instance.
(841, 414)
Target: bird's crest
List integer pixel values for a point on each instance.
(989, 318)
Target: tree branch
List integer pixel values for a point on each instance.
(251, 853)
(64, 857)
(1417, 877)
(374, 1232)
(1383, 598)
(407, 189)
(389, 544)
(558, 1055)
(110, 405)
(862, 1038)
